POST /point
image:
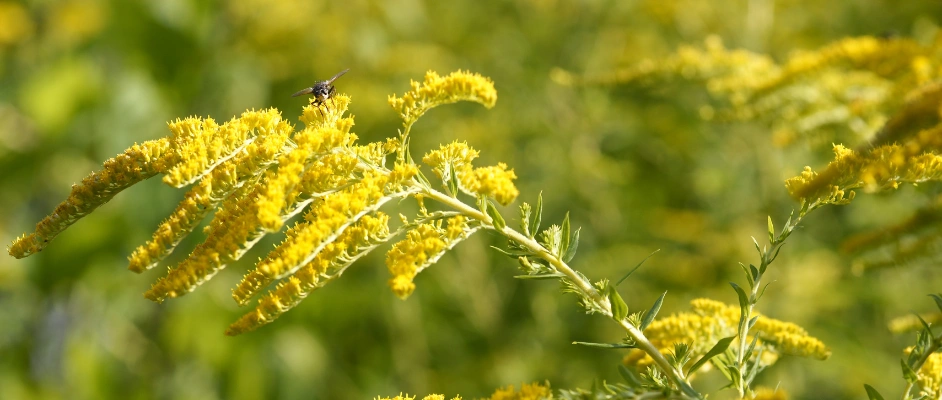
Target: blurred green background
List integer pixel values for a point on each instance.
(81, 80)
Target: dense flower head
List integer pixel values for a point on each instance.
(712, 320)
(323, 224)
(136, 164)
(528, 391)
(495, 182)
(930, 376)
(880, 168)
(436, 90)
(456, 154)
(355, 241)
(422, 247)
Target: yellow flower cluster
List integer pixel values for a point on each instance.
(437, 90)
(930, 377)
(407, 397)
(202, 144)
(495, 181)
(531, 391)
(136, 164)
(248, 214)
(323, 224)
(712, 320)
(851, 85)
(764, 393)
(329, 263)
(422, 247)
(880, 168)
(222, 181)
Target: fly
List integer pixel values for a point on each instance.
(321, 90)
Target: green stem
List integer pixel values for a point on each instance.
(588, 291)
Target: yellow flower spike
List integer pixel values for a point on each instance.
(282, 184)
(224, 179)
(930, 376)
(327, 112)
(368, 233)
(201, 144)
(764, 393)
(421, 248)
(880, 168)
(324, 223)
(531, 391)
(134, 165)
(712, 320)
(457, 154)
(436, 90)
(495, 182)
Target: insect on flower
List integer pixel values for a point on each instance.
(321, 90)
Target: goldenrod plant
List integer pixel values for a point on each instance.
(258, 171)
(886, 92)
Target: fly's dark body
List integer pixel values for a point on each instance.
(321, 90)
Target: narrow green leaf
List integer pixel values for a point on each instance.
(573, 247)
(511, 253)
(422, 178)
(537, 216)
(606, 345)
(908, 372)
(564, 243)
(496, 218)
(872, 393)
(717, 349)
(745, 270)
(925, 325)
(771, 231)
(619, 308)
(652, 313)
(752, 322)
(938, 300)
(540, 277)
(756, 242)
(755, 273)
(636, 267)
(629, 376)
(743, 298)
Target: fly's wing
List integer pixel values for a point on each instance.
(339, 74)
(303, 91)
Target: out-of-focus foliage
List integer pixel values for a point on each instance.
(81, 80)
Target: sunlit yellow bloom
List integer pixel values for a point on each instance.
(228, 176)
(335, 257)
(764, 393)
(930, 376)
(531, 391)
(16, 24)
(407, 397)
(495, 182)
(422, 247)
(880, 168)
(712, 320)
(324, 223)
(456, 154)
(437, 90)
(136, 164)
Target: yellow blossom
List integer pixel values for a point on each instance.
(531, 391)
(324, 223)
(880, 168)
(456, 154)
(437, 90)
(329, 264)
(930, 376)
(136, 164)
(712, 320)
(764, 393)
(213, 188)
(495, 182)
